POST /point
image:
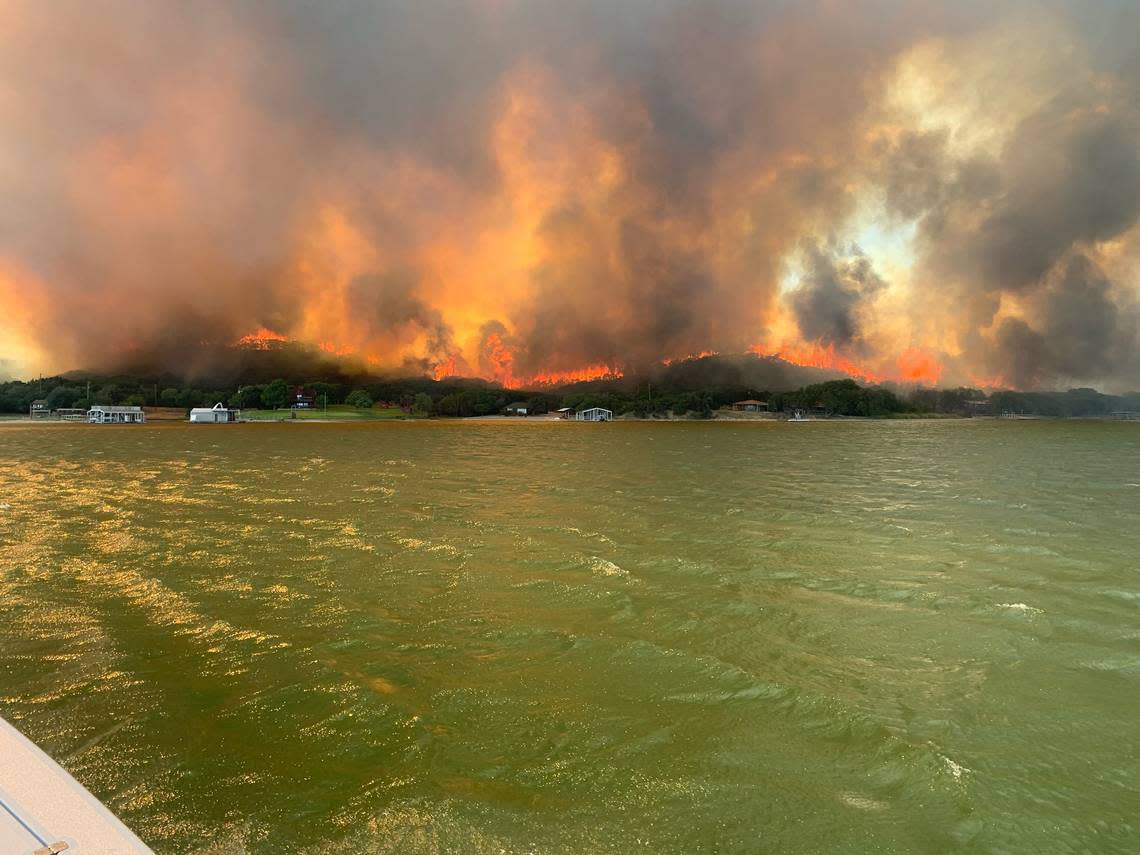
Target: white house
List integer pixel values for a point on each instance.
(595, 414)
(517, 409)
(218, 414)
(102, 415)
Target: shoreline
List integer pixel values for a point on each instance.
(24, 421)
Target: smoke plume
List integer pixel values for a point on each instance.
(519, 190)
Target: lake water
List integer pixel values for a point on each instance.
(563, 638)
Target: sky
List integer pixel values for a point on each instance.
(938, 192)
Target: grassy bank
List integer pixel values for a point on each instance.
(337, 412)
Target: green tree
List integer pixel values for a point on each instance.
(359, 399)
(326, 393)
(249, 397)
(63, 396)
(422, 404)
(275, 394)
(169, 397)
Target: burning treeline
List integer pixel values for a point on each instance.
(939, 192)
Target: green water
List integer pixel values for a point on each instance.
(561, 638)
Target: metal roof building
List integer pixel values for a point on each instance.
(218, 414)
(595, 414)
(103, 415)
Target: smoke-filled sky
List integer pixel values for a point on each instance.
(936, 191)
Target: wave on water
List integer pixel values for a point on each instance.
(604, 567)
(1021, 607)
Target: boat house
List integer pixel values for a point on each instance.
(218, 414)
(751, 406)
(102, 415)
(595, 414)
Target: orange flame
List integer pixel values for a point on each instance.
(816, 356)
(450, 368)
(916, 365)
(590, 372)
(995, 382)
(336, 349)
(690, 357)
(500, 360)
(260, 339)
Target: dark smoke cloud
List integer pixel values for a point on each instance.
(1022, 228)
(1083, 332)
(177, 174)
(834, 289)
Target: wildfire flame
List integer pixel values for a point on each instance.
(260, 339)
(449, 368)
(916, 365)
(499, 360)
(338, 349)
(995, 382)
(497, 363)
(817, 356)
(690, 357)
(590, 372)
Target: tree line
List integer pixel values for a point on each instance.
(464, 397)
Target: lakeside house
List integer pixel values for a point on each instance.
(70, 414)
(39, 409)
(595, 414)
(565, 412)
(519, 408)
(104, 415)
(751, 406)
(302, 398)
(217, 414)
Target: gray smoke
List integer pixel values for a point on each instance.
(835, 288)
(176, 174)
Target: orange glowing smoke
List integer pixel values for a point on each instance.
(916, 365)
(260, 339)
(995, 382)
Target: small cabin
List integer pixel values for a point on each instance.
(595, 414)
(565, 412)
(103, 415)
(217, 414)
(750, 406)
(519, 408)
(39, 409)
(302, 398)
